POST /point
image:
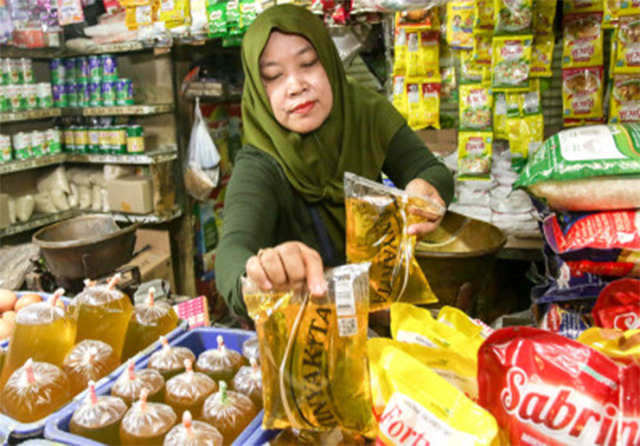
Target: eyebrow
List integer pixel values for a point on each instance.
(302, 51)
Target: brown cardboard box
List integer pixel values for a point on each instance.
(4, 211)
(133, 194)
(154, 263)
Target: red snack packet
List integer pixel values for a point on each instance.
(618, 305)
(543, 388)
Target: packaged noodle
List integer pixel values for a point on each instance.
(513, 17)
(500, 116)
(625, 99)
(417, 117)
(511, 63)
(138, 16)
(460, 17)
(582, 90)
(583, 41)
(542, 56)
(471, 71)
(621, 346)
(476, 103)
(483, 16)
(429, 50)
(543, 388)
(448, 86)
(573, 6)
(544, 15)
(482, 48)
(400, 96)
(313, 353)
(474, 155)
(629, 8)
(377, 220)
(400, 51)
(413, 54)
(431, 104)
(413, 402)
(628, 43)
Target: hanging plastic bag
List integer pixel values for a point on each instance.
(202, 168)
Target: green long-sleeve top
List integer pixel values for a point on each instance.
(263, 210)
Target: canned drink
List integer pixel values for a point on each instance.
(43, 95)
(60, 95)
(14, 92)
(5, 148)
(70, 71)
(124, 92)
(15, 66)
(94, 139)
(5, 65)
(21, 146)
(72, 95)
(37, 143)
(69, 141)
(58, 73)
(83, 71)
(26, 71)
(5, 104)
(81, 139)
(95, 69)
(54, 141)
(95, 94)
(105, 139)
(109, 67)
(30, 96)
(135, 141)
(109, 93)
(84, 99)
(118, 140)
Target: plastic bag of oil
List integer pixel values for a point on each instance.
(377, 220)
(411, 401)
(312, 353)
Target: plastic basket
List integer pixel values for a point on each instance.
(13, 430)
(261, 436)
(197, 340)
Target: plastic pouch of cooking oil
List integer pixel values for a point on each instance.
(130, 384)
(189, 390)
(312, 353)
(377, 220)
(146, 423)
(102, 313)
(248, 381)
(34, 391)
(98, 417)
(44, 332)
(220, 363)
(169, 361)
(621, 346)
(193, 433)
(412, 400)
(89, 361)
(229, 412)
(148, 321)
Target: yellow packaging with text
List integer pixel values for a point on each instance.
(621, 346)
(400, 96)
(483, 16)
(400, 50)
(511, 63)
(458, 319)
(460, 18)
(542, 56)
(583, 41)
(625, 99)
(476, 102)
(544, 15)
(628, 43)
(474, 155)
(482, 48)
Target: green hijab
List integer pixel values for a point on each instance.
(354, 138)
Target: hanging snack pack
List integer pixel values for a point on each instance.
(483, 15)
(542, 56)
(583, 40)
(586, 169)
(628, 46)
(400, 51)
(511, 63)
(543, 388)
(411, 401)
(482, 48)
(618, 305)
(500, 116)
(474, 155)
(513, 17)
(625, 99)
(313, 353)
(377, 220)
(476, 103)
(544, 14)
(622, 347)
(400, 96)
(460, 18)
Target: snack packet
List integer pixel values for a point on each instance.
(377, 221)
(513, 17)
(413, 403)
(573, 6)
(400, 51)
(483, 15)
(423, 19)
(546, 389)
(476, 103)
(544, 15)
(611, 9)
(542, 56)
(582, 91)
(583, 41)
(217, 14)
(313, 353)
(431, 104)
(414, 67)
(474, 155)
(471, 71)
(449, 85)
(500, 116)
(458, 319)
(618, 305)
(415, 105)
(628, 46)
(621, 346)
(482, 48)
(460, 18)
(625, 99)
(429, 51)
(511, 63)
(400, 96)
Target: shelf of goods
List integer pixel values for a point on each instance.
(123, 110)
(53, 53)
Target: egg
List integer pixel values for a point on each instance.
(26, 300)
(6, 329)
(9, 316)
(7, 300)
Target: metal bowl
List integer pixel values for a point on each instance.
(85, 247)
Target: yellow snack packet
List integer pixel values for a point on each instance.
(429, 50)
(542, 56)
(415, 106)
(571, 6)
(582, 91)
(474, 155)
(431, 104)
(618, 345)
(583, 40)
(400, 96)
(414, 405)
(377, 220)
(628, 46)
(513, 17)
(458, 319)
(500, 116)
(475, 106)
(460, 18)
(173, 12)
(629, 8)
(625, 99)
(471, 72)
(482, 48)
(414, 67)
(483, 16)
(611, 11)
(511, 63)
(544, 15)
(423, 19)
(137, 16)
(400, 50)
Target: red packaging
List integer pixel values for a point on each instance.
(618, 305)
(543, 388)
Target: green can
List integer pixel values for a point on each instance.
(109, 67)
(5, 65)
(124, 92)
(43, 95)
(58, 75)
(82, 90)
(118, 140)
(21, 146)
(69, 71)
(5, 149)
(135, 140)
(5, 103)
(81, 139)
(109, 93)
(69, 142)
(54, 141)
(30, 96)
(95, 69)
(14, 93)
(72, 95)
(37, 144)
(104, 136)
(25, 72)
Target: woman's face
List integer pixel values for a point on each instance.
(296, 83)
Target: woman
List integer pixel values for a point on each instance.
(305, 125)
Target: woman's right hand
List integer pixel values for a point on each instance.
(289, 265)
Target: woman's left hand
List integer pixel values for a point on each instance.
(420, 187)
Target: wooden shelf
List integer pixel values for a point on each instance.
(30, 115)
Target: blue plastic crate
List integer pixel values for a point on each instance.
(15, 430)
(197, 340)
(261, 436)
